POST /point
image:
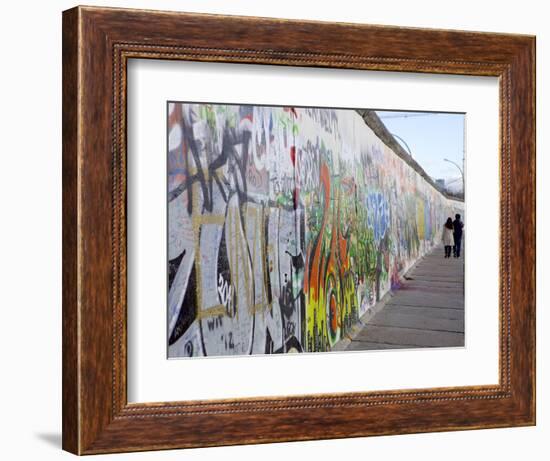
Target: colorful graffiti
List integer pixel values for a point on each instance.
(285, 225)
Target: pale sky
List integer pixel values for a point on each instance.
(431, 137)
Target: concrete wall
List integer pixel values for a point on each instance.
(286, 225)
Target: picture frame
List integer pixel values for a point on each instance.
(97, 44)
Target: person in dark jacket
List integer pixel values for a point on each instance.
(458, 226)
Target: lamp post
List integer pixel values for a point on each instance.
(404, 142)
(461, 173)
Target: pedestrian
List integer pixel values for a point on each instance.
(458, 226)
(448, 237)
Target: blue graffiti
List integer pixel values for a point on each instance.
(378, 214)
(427, 220)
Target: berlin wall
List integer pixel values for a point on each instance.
(286, 225)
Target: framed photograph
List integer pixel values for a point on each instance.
(281, 230)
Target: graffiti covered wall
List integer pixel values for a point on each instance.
(285, 225)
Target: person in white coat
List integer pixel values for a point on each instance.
(448, 239)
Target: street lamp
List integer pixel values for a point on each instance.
(404, 142)
(461, 173)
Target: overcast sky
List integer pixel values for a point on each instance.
(431, 137)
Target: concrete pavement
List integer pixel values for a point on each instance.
(426, 311)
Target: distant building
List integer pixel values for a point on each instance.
(454, 186)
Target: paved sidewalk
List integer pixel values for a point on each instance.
(427, 311)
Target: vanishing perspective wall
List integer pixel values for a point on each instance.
(285, 226)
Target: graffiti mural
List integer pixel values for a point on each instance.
(285, 225)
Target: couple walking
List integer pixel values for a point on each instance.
(452, 236)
